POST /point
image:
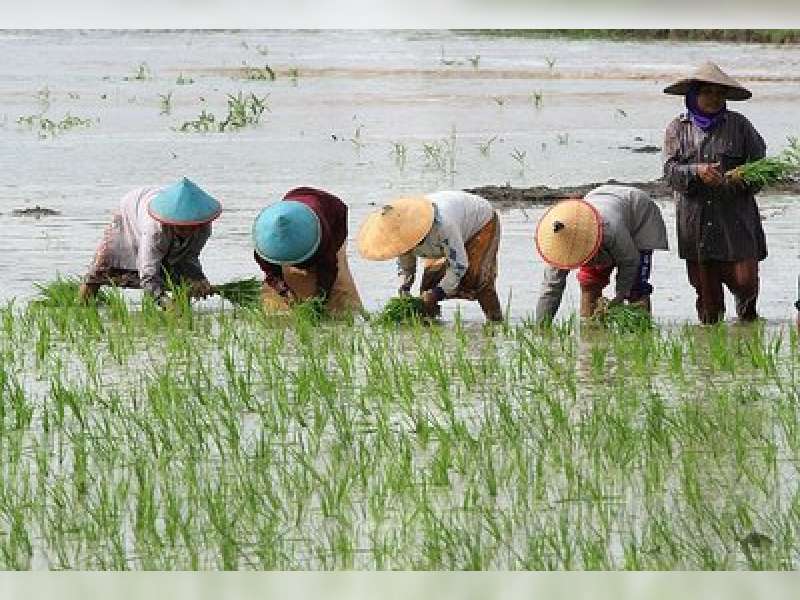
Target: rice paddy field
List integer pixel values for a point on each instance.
(217, 438)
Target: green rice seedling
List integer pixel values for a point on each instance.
(165, 103)
(181, 80)
(63, 293)
(771, 170)
(243, 111)
(143, 73)
(486, 147)
(401, 309)
(312, 311)
(205, 122)
(242, 292)
(499, 100)
(519, 156)
(399, 152)
(254, 73)
(474, 60)
(550, 61)
(537, 99)
(622, 318)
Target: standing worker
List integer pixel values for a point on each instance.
(457, 233)
(612, 226)
(719, 227)
(156, 236)
(300, 245)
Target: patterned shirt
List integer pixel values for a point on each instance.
(457, 216)
(714, 222)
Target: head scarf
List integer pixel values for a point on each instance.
(705, 121)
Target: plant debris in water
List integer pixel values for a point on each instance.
(772, 169)
(242, 112)
(242, 292)
(402, 309)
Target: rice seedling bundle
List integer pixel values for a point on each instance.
(772, 169)
(243, 292)
(62, 292)
(622, 318)
(401, 309)
(311, 310)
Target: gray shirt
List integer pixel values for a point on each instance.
(632, 222)
(135, 241)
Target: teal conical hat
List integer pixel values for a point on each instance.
(184, 203)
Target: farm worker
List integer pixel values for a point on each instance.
(156, 235)
(457, 235)
(300, 244)
(719, 227)
(613, 226)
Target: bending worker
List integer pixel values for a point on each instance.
(457, 233)
(613, 226)
(300, 245)
(156, 236)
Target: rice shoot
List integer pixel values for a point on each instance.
(62, 293)
(242, 292)
(622, 318)
(312, 310)
(402, 309)
(772, 169)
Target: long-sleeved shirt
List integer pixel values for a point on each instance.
(135, 241)
(714, 222)
(631, 222)
(332, 215)
(457, 217)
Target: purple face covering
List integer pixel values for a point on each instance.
(705, 121)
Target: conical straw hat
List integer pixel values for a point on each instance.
(569, 234)
(395, 229)
(710, 73)
(184, 203)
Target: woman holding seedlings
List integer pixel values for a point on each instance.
(300, 245)
(457, 234)
(719, 227)
(155, 237)
(612, 226)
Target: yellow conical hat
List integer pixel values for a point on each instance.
(569, 234)
(395, 228)
(710, 73)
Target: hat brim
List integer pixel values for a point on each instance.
(387, 234)
(681, 88)
(167, 221)
(580, 247)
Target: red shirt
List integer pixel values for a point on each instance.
(332, 214)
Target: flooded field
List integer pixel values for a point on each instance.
(214, 438)
(367, 115)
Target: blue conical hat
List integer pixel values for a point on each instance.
(286, 233)
(184, 203)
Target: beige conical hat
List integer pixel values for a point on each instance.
(710, 73)
(395, 229)
(569, 234)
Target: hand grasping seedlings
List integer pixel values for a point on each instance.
(770, 170)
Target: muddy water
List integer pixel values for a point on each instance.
(357, 94)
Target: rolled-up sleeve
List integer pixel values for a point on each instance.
(551, 291)
(677, 172)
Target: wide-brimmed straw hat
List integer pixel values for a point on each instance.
(710, 73)
(395, 228)
(569, 234)
(184, 203)
(286, 233)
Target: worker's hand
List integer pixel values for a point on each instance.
(199, 288)
(709, 173)
(165, 302)
(734, 175)
(430, 307)
(601, 308)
